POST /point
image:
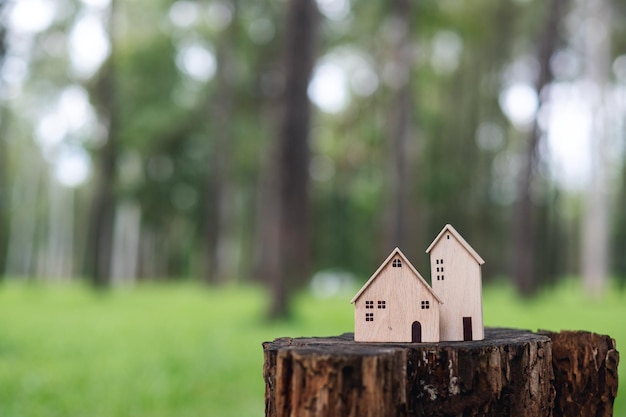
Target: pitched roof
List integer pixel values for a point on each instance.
(452, 230)
(395, 252)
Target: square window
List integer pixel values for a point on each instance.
(397, 263)
(382, 304)
(425, 305)
(369, 316)
(369, 304)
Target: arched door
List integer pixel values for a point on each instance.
(416, 332)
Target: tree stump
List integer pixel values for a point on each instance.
(510, 373)
(585, 373)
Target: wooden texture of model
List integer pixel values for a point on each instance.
(456, 279)
(397, 305)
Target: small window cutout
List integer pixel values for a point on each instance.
(369, 304)
(442, 269)
(437, 261)
(369, 316)
(425, 305)
(442, 277)
(448, 236)
(437, 269)
(441, 262)
(382, 304)
(397, 263)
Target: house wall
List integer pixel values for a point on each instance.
(403, 294)
(457, 282)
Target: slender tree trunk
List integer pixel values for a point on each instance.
(103, 206)
(4, 181)
(524, 271)
(221, 258)
(57, 250)
(103, 210)
(24, 228)
(126, 238)
(618, 261)
(4, 196)
(400, 129)
(293, 153)
(597, 53)
(266, 254)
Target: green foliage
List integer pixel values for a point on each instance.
(185, 350)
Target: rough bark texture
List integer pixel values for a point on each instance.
(508, 374)
(585, 373)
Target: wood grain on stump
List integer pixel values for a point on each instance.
(510, 373)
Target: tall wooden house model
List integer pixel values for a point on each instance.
(397, 305)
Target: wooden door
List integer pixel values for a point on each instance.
(416, 332)
(467, 329)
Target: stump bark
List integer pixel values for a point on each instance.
(585, 373)
(510, 373)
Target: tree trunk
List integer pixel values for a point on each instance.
(510, 373)
(220, 232)
(524, 271)
(57, 247)
(4, 193)
(597, 59)
(4, 171)
(102, 214)
(126, 247)
(293, 154)
(103, 207)
(400, 128)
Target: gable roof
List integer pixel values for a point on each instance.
(395, 252)
(452, 230)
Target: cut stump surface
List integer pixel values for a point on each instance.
(509, 373)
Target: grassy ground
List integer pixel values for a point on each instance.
(187, 351)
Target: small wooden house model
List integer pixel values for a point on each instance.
(397, 305)
(456, 279)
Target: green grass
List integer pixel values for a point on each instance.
(184, 350)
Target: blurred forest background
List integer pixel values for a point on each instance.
(271, 141)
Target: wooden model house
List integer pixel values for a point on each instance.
(456, 279)
(397, 305)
